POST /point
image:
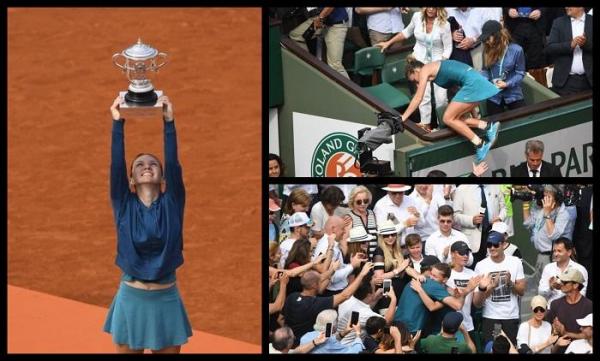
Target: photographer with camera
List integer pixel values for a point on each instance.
(547, 220)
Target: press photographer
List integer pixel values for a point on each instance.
(547, 220)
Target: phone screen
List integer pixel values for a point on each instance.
(386, 285)
(497, 329)
(328, 330)
(354, 319)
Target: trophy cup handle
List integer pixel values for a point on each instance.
(115, 57)
(164, 56)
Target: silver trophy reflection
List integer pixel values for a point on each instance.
(139, 65)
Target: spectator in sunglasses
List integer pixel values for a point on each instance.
(360, 216)
(535, 335)
(499, 290)
(440, 241)
(403, 211)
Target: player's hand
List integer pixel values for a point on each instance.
(535, 14)
(167, 108)
(513, 13)
(115, 107)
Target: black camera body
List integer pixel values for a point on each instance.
(525, 193)
(368, 164)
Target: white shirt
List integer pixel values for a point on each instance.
(537, 174)
(428, 211)
(552, 270)
(437, 242)
(285, 247)
(577, 27)
(339, 279)
(538, 335)
(460, 280)
(386, 22)
(416, 264)
(433, 46)
(590, 12)
(319, 215)
(385, 206)
(579, 346)
(461, 16)
(478, 17)
(345, 313)
(502, 304)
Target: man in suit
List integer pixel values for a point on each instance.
(476, 208)
(570, 49)
(534, 166)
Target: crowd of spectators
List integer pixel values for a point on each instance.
(428, 268)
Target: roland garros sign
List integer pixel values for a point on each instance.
(325, 147)
(334, 157)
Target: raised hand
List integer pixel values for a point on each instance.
(115, 107)
(167, 108)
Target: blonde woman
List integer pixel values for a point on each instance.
(359, 200)
(395, 265)
(431, 30)
(504, 66)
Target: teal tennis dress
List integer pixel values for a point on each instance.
(474, 87)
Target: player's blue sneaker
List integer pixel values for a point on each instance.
(491, 131)
(482, 151)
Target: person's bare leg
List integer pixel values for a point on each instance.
(170, 349)
(452, 119)
(126, 349)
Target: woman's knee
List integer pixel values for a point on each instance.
(170, 349)
(126, 349)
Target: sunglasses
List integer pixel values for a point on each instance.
(463, 253)
(360, 202)
(539, 309)
(388, 235)
(491, 245)
(446, 221)
(396, 193)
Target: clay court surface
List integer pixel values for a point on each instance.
(61, 233)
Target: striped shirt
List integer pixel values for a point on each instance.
(371, 228)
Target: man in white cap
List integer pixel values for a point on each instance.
(584, 345)
(401, 210)
(510, 249)
(299, 226)
(565, 311)
(549, 285)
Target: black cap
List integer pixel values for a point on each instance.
(429, 261)
(459, 246)
(491, 27)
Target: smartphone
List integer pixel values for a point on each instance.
(386, 285)
(378, 266)
(328, 327)
(497, 330)
(354, 318)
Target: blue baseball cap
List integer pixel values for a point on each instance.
(495, 237)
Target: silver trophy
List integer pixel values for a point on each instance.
(139, 64)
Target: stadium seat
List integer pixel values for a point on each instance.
(386, 92)
(367, 60)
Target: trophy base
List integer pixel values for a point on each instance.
(147, 98)
(137, 108)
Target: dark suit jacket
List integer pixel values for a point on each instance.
(560, 52)
(548, 170)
